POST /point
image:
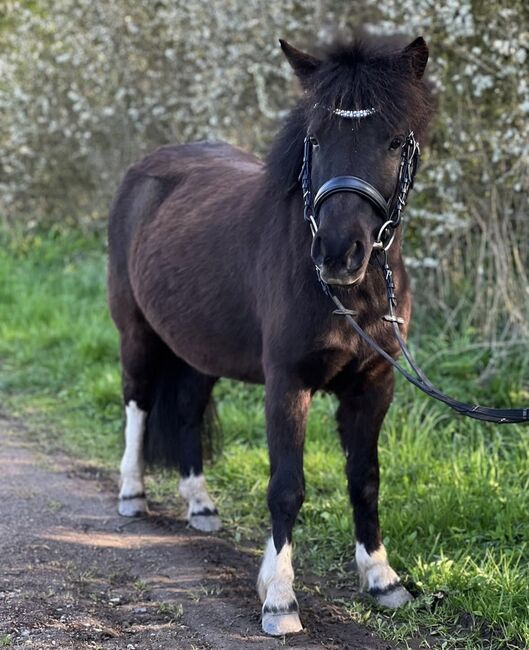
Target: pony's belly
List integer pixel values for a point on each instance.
(223, 364)
(210, 327)
(218, 356)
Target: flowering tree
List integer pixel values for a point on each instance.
(86, 87)
(472, 219)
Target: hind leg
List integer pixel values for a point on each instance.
(132, 502)
(201, 511)
(163, 393)
(140, 351)
(194, 392)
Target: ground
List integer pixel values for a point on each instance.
(76, 575)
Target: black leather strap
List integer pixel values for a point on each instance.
(417, 377)
(352, 184)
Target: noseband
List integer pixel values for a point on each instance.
(391, 214)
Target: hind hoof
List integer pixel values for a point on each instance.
(207, 522)
(392, 597)
(135, 506)
(277, 624)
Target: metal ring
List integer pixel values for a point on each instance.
(379, 245)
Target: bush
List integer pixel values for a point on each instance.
(87, 87)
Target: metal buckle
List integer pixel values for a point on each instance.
(393, 319)
(343, 311)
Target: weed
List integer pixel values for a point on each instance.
(141, 586)
(172, 612)
(54, 505)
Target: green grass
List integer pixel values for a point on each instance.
(454, 495)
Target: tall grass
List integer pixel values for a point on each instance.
(454, 494)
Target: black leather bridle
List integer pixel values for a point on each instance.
(390, 211)
(391, 214)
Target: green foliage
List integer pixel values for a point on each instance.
(87, 87)
(454, 493)
(57, 345)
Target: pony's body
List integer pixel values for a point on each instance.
(235, 322)
(210, 275)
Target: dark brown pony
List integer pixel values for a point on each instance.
(211, 275)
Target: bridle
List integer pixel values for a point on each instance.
(391, 215)
(390, 211)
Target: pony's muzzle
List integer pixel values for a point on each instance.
(338, 263)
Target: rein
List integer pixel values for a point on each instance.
(391, 212)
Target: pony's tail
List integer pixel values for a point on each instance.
(181, 408)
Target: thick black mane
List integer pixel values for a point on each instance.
(359, 74)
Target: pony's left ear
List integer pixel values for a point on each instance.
(417, 55)
(303, 64)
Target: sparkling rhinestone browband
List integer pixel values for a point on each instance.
(351, 115)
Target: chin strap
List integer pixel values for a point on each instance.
(417, 376)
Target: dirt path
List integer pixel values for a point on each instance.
(73, 574)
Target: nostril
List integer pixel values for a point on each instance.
(355, 257)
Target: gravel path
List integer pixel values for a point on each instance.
(73, 574)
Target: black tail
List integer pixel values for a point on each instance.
(181, 423)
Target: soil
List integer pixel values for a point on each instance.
(73, 574)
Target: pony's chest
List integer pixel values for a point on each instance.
(343, 352)
(317, 369)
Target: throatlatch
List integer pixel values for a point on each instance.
(391, 212)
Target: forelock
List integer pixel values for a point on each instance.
(356, 74)
(366, 73)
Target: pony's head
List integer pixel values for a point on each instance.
(360, 102)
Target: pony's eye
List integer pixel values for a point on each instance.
(396, 143)
(313, 140)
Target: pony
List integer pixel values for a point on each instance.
(211, 274)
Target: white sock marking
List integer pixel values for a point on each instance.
(193, 490)
(132, 461)
(276, 576)
(374, 569)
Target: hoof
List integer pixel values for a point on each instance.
(134, 506)
(207, 521)
(278, 624)
(392, 597)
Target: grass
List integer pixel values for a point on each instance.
(454, 495)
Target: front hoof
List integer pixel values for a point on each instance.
(133, 506)
(207, 521)
(281, 623)
(393, 596)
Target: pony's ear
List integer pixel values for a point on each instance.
(416, 54)
(303, 64)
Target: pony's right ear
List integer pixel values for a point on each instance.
(303, 64)
(416, 54)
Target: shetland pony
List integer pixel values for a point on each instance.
(211, 274)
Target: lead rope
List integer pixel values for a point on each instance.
(419, 379)
(407, 169)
